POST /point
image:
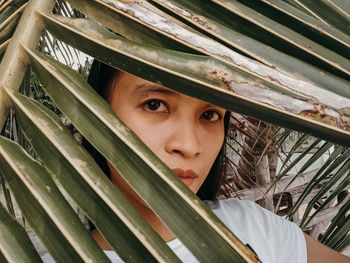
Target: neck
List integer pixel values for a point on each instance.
(148, 215)
(152, 219)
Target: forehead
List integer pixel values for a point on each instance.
(127, 86)
(124, 84)
(127, 82)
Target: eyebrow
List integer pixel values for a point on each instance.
(144, 89)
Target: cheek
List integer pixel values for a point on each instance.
(152, 135)
(212, 143)
(213, 140)
(149, 132)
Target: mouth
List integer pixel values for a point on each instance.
(187, 176)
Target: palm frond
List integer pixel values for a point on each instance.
(283, 62)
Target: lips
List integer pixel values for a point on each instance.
(186, 176)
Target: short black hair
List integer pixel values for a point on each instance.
(99, 78)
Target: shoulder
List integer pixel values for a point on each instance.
(271, 236)
(245, 214)
(233, 208)
(236, 204)
(244, 209)
(230, 205)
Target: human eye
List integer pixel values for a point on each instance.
(211, 115)
(155, 105)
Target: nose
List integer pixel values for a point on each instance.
(184, 139)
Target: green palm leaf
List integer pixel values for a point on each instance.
(11, 248)
(267, 59)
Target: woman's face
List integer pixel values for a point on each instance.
(185, 133)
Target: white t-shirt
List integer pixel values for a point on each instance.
(271, 237)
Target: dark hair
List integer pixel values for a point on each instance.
(99, 77)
